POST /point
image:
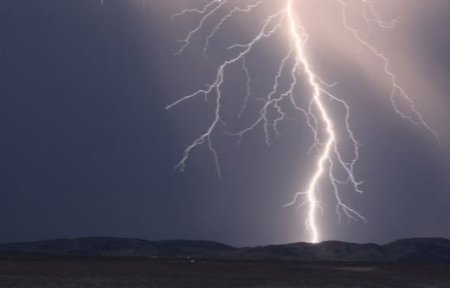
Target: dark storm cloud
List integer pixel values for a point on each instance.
(88, 149)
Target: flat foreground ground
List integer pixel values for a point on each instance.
(36, 272)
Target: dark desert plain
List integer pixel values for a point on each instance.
(37, 272)
(120, 262)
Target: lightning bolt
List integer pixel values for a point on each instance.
(318, 117)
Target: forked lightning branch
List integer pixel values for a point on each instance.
(295, 68)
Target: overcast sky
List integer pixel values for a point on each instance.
(87, 147)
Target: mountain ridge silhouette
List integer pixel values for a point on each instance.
(405, 250)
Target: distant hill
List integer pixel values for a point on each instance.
(110, 246)
(408, 250)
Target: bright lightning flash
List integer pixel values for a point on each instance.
(321, 101)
